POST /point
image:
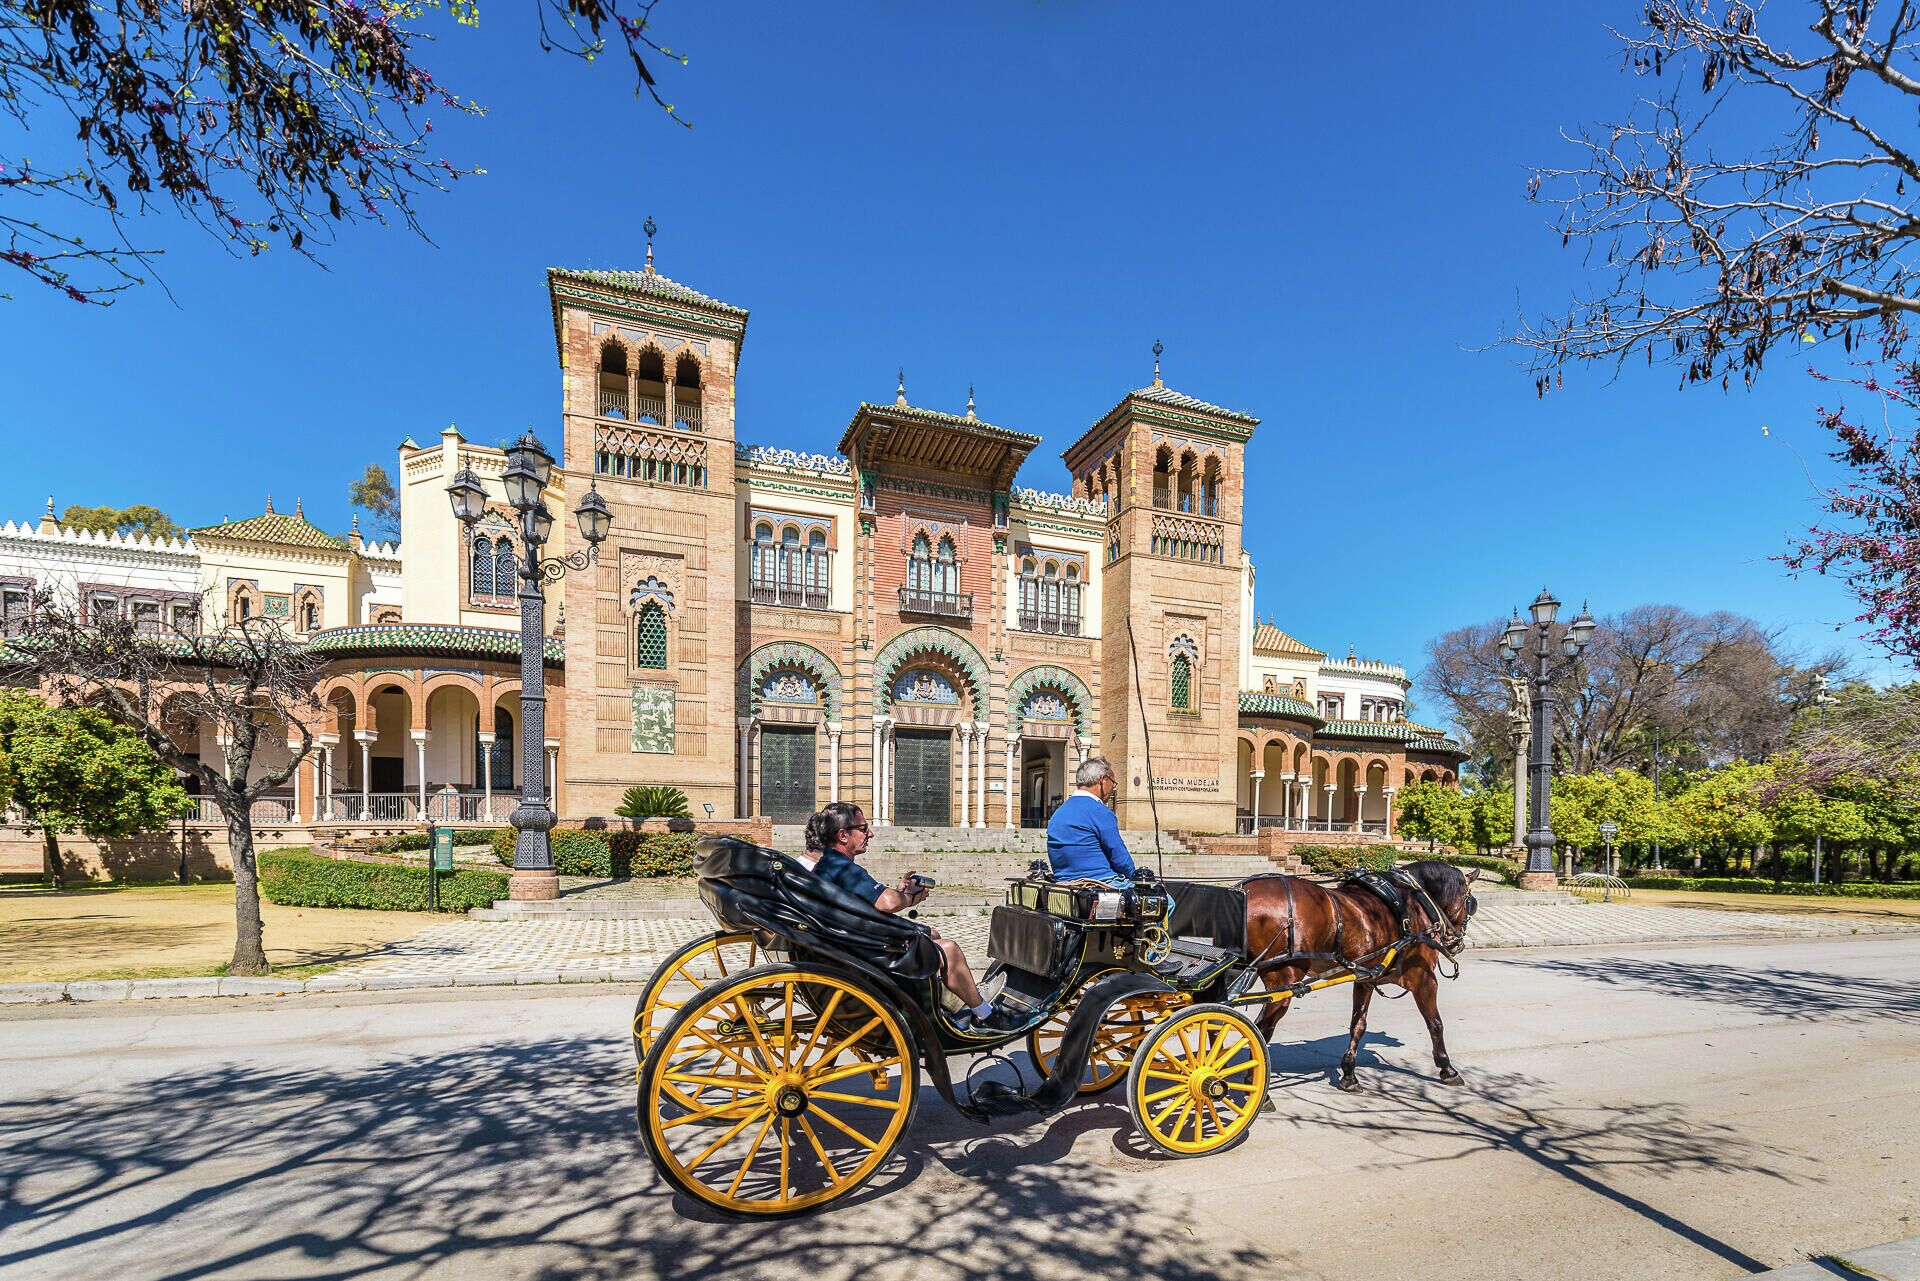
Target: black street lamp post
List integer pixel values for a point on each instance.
(1528, 650)
(529, 466)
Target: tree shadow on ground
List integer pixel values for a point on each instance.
(1787, 994)
(521, 1160)
(1412, 1120)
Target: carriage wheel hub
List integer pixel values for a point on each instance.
(786, 1096)
(1205, 1084)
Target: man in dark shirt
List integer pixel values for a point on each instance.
(836, 836)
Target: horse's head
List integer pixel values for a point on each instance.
(1448, 889)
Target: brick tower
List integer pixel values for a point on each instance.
(1169, 468)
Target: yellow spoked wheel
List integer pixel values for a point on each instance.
(680, 976)
(1114, 1043)
(788, 1116)
(1198, 1080)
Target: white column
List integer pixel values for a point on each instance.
(746, 764)
(1330, 788)
(365, 738)
(420, 737)
(1253, 777)
(833, 761)
(486, 776)
(553, 774)
(965, 736)
(1013, 745)
(886, 776)
(980, 776)
(1303, 803)
(879, 798)
(1286, 800)
(1388, 793)
(753, 771)
(1359, 808)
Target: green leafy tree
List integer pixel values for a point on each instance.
(137, 519)
(653, 802)
(1491, 811)
(374, 494)
(1725, 809)
(1433, 812)
(70, 769)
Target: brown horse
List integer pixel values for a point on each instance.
(1297, 928)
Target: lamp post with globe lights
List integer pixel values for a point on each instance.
(529, 467)
(1528, 648)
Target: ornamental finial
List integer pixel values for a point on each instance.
(300, 512)
(650, 227)
(269, 504)
(969, 400)
(900, 392)
(1158, 348)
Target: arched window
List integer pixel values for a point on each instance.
(1029, 596)
(1210, 488)
(306, 612)
(1050, 597)
(650, 389)
(1070, 602)
(505, 573)
(1181, 686)
(613, 380)
(920, 566)
(650, 637)
(766, 569)
(792, 569)
(1186, 483)
(817, 588)
(1162, 477)
(946, 572)
(686, 393)
(480, 577)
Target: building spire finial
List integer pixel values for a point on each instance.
(269, 504)
(969, 400)
(299, 511)
(49, 523)
(900, 392)
(650, 227)
(1158, 348)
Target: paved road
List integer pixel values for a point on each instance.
(1687, 1111)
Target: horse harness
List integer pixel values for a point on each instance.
(1391, 888)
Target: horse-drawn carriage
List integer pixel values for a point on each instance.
(780, 1058)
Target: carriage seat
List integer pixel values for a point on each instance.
(776, 898)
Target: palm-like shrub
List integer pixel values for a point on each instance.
(653, 802)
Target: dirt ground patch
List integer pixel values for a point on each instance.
(1867, 909)
(170, 931)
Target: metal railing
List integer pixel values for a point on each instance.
(764, 593)
(268, 809)
(650, 409)
(916, 600)
(613, 402)
(686, 414)
(1062, 624)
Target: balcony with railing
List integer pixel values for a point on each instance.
(613, 402)
(793, 594)
(650, 409)
(686, 414)
(923, 600)
(1051, 622)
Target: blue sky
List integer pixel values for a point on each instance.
(1320, 217)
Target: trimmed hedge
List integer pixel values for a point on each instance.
(1329, 860)
(578, 852)
(1747, 885)
(422, 840)
(301, 880)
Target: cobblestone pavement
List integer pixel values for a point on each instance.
(618, 949)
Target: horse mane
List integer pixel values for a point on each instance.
(1445, 883)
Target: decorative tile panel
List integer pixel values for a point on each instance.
(653, 719)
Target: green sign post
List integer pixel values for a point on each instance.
(439, 859)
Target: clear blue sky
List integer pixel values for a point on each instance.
(1319, 215)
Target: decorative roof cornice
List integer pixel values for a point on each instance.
(914, 413)
(1259, 703)
(1068, 504)
(1167, 408)
(1398, 731)
(1268, 639)
(1365, 667)
(644, 296)
(69, 536)
(428, 638)
(1438, 744)
(792, 460)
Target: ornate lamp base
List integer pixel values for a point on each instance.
(1528, 881)
(535, 886)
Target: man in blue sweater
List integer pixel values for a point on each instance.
(1083, 836)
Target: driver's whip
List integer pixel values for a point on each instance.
(1153, 796)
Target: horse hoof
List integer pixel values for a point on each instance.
(1350, 1085)
(1450, 1077)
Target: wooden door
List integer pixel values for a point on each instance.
(787, 773)
(923, 778)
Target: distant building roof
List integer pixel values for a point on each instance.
(1268, 639)
(1168, 396)
(1256, 703)
(274, 527)
(649, 282)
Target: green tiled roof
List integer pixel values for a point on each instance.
(1371, 729)
(1436, 743)
(1255, 703)
(1168, 396)
(648, 282)
(429, 638)
(273, 527)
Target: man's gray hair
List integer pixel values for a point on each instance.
(1091, 771)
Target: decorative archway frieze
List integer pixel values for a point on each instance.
(1078, 698)
(790, 655)
(956, 649)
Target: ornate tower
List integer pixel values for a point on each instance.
(647, 374)
(1169, 468)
